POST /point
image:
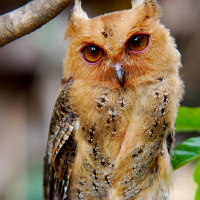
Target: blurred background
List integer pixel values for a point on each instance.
(30, 73)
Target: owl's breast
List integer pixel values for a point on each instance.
(103, 125)
(121, 138)
(112, 106)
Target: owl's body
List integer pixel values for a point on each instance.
(112, 128)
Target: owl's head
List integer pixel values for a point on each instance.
(120, 49)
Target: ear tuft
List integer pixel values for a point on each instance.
(78, 11)
(136, 2)
(151, 7)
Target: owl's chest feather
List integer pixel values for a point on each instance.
(105, 128)
(99, 139)
(120, 139)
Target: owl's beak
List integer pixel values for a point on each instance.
(118, 67)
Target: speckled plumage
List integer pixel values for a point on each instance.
(109, 140)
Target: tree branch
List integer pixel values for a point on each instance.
(28, 18)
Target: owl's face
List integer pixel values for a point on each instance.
(120, 48)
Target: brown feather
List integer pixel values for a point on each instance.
(61, 146)
(121, 146)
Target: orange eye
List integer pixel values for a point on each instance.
(92, 53)
(138, 42)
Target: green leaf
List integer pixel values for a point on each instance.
(186, 152)
(188, 119)
(197, 179)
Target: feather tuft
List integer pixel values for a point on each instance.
(78, 11)
(136, 2)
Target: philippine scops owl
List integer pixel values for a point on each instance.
(112, 128)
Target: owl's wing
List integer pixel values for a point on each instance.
(61, 146)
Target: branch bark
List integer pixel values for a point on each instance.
(28, 18)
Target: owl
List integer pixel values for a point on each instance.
(113, 124)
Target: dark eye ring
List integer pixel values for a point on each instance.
(138, 43)
(92, 54)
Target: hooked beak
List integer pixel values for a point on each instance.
(118, 67)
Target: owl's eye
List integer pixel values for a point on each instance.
(92, 53)
(138, 43)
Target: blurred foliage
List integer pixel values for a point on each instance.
(197, 179)
(188, 120)
(186, 152)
